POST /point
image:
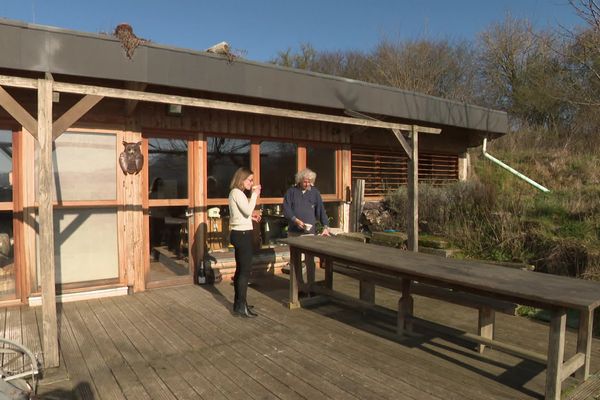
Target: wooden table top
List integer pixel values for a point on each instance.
(524, 287)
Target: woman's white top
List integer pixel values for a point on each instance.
(240, 210)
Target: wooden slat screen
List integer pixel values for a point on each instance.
(384, 170)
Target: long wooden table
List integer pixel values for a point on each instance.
(550, 292)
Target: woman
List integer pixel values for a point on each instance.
(241, 215)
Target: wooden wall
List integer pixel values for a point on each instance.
(130, 121)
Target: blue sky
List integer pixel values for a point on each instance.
(263, 27)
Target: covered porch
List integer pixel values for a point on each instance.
(183, 343)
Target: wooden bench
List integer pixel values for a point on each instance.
(486, 307)
(412, 271)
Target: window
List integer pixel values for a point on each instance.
(278, 163)
(224, 157)
(168, 168)
(85, 228)
(85, 245)
(278, 166)
(322, 161)
(85, 167)
(6, 150)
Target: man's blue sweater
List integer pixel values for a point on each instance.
(307, 206)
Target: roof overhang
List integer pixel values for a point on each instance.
(45, 49)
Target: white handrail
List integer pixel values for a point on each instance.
(512, 170)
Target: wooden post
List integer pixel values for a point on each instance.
(584, 342)
(358, 200)
(46, 224)
(413, 192)
(295, 262)
(556, 353)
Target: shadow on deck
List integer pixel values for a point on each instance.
(183, 343)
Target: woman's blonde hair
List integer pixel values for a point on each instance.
(237, 182)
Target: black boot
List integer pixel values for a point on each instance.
(242, 310)
(250, 311)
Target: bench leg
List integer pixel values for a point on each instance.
(310, 270)
(584, 342)
(329, 273)
(295, 265)
(405, 309)
(487, 318)
(556, 353)
(367, 291)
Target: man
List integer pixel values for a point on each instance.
(303, 207)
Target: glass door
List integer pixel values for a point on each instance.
(168, 216)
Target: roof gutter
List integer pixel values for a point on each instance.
(512, 170)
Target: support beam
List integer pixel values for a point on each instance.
(214, 104)
(227, 106)
(46, 224)
(18, 112)
(413, 192)
(403, 143)
(130, 105)
(73, 114)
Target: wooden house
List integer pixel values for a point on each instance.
(70, 101)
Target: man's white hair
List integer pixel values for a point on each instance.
(306, 173)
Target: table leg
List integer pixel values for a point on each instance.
(584, 342)
(556, 352)
(295, 263)
(405, 309)
(487, 318)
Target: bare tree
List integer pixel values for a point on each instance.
(520, 73)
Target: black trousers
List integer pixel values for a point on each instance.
(244, 249)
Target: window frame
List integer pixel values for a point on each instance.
(255, 166)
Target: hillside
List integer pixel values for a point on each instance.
(560, 230)
(496, 216)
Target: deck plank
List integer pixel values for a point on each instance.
(13, 332)
(184, 343)
(3, 312)
(134, 347)
(31, 333)
(97, 367)
(249, 329)
(122, 371)
(237, 385)
(369, 356)
(229, 323)
(266, 380)
(74, 359)
(254, 370)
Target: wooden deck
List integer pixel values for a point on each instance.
(183, 343)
